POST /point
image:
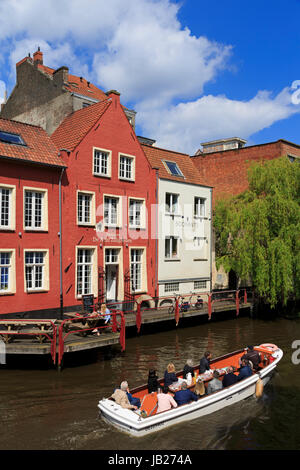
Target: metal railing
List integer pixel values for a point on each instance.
(64, 329)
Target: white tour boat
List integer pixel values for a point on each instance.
(147, 420)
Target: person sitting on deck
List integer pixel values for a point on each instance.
(205, 362)
(215, 384)
(165, 401)
(230, 378)
(105, 317)
(184, 395)
(170, 376)
(120, 397)
(252, 356)
(188, 368)
(245, 370)
(153, 384)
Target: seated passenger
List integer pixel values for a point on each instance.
(170, 376)
(215, 384)
(230, 378)
(184, 395)
(188, 368)
(153, 384)
(199, 389)
(245, 370)
(253, 356)
(165, 401)
(205, 362)
(120, 397)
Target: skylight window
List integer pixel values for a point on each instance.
(10, 138)
(173, 168)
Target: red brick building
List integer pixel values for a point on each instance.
(226, 170)
(108, 189)
(30, 171)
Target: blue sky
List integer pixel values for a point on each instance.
(193, 70)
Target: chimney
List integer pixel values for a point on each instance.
(60, 76)
(114, 95)
(38, 57)
(222, 144)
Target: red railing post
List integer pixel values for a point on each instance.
(237, 302)
(245, 296)
(122, 332)
(138, 318)
(176, 311)
(114, 323)
(209, 306)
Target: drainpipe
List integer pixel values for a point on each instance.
(60, 246)
(156, 239)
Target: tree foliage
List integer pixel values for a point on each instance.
(257, 232)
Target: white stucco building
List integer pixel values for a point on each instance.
(184, 225)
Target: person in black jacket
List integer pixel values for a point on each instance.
(205, 362)
(188, 368)
(229, 378)
(170, 376)
(153, 384)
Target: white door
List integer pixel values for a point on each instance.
(111, 282)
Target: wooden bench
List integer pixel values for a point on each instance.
(16, 328)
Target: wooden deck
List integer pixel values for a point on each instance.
(77, 342)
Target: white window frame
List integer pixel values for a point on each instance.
(108, 153)
(133, 212)
(44, 286)
(111, 221)
(11, 266)
(93, 271)
(137, 268)
(130, 158)
(44, 209)
(92, 211)
(199, 207)
(174, 203)
(11, 206)
(171, 256)
(111, 255)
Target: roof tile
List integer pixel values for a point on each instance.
(38, 149)
(75, 126)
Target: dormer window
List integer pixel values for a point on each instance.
(173, 168)
(10, 138)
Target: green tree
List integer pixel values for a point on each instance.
(257, 232)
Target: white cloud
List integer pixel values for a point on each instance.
(184, 126)
(2, 91)
(140, 48)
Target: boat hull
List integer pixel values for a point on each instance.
(132, 423)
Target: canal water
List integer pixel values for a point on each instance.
(41, 408)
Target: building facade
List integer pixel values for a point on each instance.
(30, 174)
(108, 191)
(184, 214)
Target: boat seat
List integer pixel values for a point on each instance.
(149, 403)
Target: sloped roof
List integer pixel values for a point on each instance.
(38, 149)
(76, 125)
(78, 85)
(158, 156)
